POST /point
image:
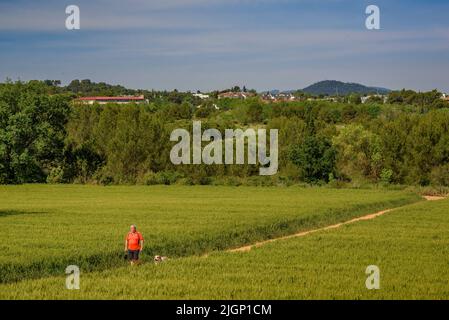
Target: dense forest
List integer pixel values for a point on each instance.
(45, 137)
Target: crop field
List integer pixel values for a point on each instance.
(54, 226)
(409, 245)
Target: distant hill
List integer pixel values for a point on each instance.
(332, 87)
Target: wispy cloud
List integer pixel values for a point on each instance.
(190, 44)
(50, 15)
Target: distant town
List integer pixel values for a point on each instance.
(329, 90)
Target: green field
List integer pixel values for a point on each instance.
(409, 245)
(54, 226)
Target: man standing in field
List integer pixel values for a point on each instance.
(133, 244)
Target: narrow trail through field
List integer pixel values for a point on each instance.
(304, 233)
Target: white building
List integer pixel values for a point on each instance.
(105, 100)
(201, 95)
(384, 98)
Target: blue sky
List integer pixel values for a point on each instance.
(214, 44)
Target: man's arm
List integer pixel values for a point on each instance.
(126, 244)
(141, 244)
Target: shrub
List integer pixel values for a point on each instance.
(149, 178)
(386, 175)
(56, 175)
(440, 175)
(167, 177)
(102, 177)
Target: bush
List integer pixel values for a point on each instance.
(168, 177)
(101, 177)
(440, 175)
(56, 175)
(232, 181)
(163, 177)
(185, 182)
(106, 180)
(386, 175)
(438, 191)
(149, 179)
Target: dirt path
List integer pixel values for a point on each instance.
(434, 198)
(304, 233)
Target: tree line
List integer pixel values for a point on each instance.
(44, 137)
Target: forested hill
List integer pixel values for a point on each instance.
(332, 87)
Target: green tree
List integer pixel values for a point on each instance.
(315, 158)
(32, 131)
(359, 152)
(255, 112)
(355, 98)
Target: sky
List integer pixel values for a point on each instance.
(215, 44)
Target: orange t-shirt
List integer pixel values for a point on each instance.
(134, 240)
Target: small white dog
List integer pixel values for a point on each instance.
(159, 259)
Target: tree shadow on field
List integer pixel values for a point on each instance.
(7, 213)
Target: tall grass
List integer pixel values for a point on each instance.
(409, 245)
(85, 225)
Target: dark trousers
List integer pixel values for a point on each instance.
(133, 254)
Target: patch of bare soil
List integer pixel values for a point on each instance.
(434, 198)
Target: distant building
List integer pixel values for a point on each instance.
(365, 99)
(279, 97)
(213, 105)
(119, 100)
(268, 97)
(331, 99)
(235, 95)
(285, 96)
(201, 95)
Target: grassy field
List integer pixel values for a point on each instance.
(409, 245)
(45, 228)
